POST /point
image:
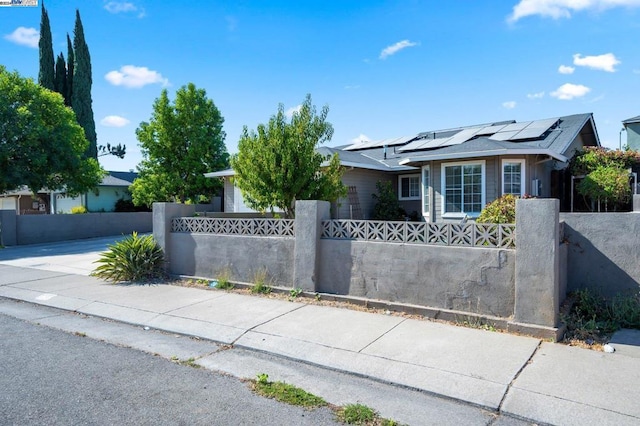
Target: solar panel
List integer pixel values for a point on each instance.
(462, 136)
(516, 126)
(504, 136)
(490, 130)
(535, 129)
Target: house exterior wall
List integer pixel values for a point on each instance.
(633, 136)
(228, 201)
(365, 181)
(103, 198)
(64, 204)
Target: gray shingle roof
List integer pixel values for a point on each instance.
(632, 120)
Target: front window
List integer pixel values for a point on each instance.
(513, 177)
(462, 188)
(409, 187)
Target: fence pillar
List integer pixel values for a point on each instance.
(636, 202)
(308, 229)
(162, 215)
(537, 292)
(8, 228)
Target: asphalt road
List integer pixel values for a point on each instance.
(52, 377)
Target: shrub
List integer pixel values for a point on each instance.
(500, 210)
(387, 206)
(78, 210)
(123, 205)
(134, 258)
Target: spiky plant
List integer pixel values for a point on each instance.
(135, 259)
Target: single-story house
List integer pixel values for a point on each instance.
(114, 186)
(453, 173)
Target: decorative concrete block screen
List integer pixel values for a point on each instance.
(254, 227)
(444, 234)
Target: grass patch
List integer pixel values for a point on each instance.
(286, 393)
(593, 318)
(224, 282)
(260, 284)
(191, 362)
(359, 414)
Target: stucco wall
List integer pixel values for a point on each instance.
(603, 251)
(468, 279)
(33, 229)
(209, 255)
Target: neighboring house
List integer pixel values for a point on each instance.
(114, 186)
(452, 174)
(632, 127)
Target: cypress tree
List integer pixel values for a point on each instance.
(60, 79)
(70, 61)
(45, 47)
(81, 89)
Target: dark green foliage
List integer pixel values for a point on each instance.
(60, 80)
(81, 90)
(387, 206)
(133, 259)
(182, 141)
(70, 68)
(124, 206)
(278, 163)
(592, 316)
(41, 144)
(117, 150)
(45, 50)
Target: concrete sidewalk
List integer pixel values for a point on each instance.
(521, 376)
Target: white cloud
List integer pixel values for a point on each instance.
(606, 62)
(509, 104)
(135, 77)
(395, 48)
(360, 139)
(569, 91)
(566, 69)
(290, 111)
(557, 9)
(124, 7)
(538, 95)
(114, 121)
(24, 36)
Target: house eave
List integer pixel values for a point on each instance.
(416, 161)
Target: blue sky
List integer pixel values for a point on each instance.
(384, 68)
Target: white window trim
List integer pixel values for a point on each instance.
(460, 215)
(523, 175)
(426, 192)
(400, 177)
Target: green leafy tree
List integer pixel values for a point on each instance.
(81, 89)
(182, 141)
(278, 164)
(605, 174)
(41, 144)
(45, 50)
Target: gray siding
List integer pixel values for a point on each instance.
(365, 181)
(633, 136)
(228, 195)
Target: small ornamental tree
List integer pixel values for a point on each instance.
(605, 174)
(278, 163)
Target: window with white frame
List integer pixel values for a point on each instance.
(426, 201)
(513, 181)
(409, 187)
(463, 188)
